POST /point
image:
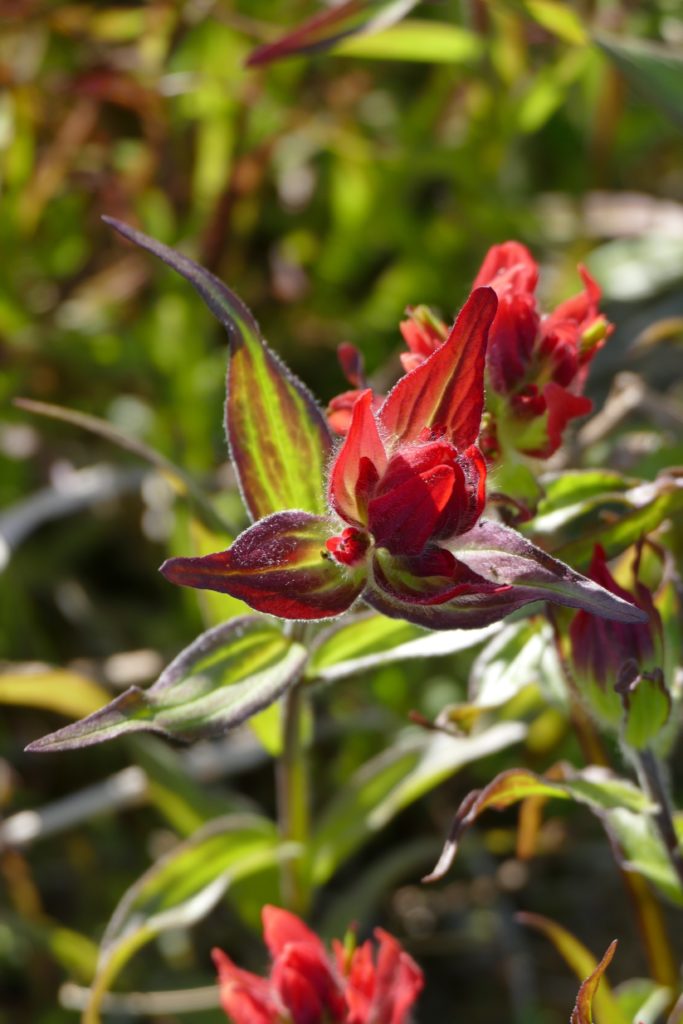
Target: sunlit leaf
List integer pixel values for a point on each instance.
(559, 18)
(226, 675)
(392, 781)
(181, 888)
(369, 641)
(428, 41)
(643, 850)
(274, 426)
(69, 693)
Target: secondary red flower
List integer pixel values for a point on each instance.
(307, 985)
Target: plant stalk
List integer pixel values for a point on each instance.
(293, 800)
(653, 783)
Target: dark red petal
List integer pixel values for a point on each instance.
(277, 566)
(245, 997)
(399, 981)
(359, 465)
(404, 518)
(307, 986)
(351, 362)
(508, 267)
(563, 406)
(446, 392)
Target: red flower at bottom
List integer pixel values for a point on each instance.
(308, 986)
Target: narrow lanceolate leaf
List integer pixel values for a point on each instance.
(277, 566)
(223, 678)
(323, 30)
(587, 969)
(503, 556)
(181, 888)
(597, 789)
(446, 392)
(274, 426)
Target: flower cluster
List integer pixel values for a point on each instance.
(308, 986)
(402, 526)
(536, 364)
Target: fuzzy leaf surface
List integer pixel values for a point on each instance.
(273, 424)
(223, 678)
(277, 566)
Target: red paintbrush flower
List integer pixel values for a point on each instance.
(308, 986)
(401, 526)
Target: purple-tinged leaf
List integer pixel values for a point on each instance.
(446, 392)
(505, 557)
(278, 566)
(223, 678)
(273, 424)
(595, 788)
(585, 966)
(323, 30)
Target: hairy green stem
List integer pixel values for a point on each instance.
(652, 781)
(293, 799)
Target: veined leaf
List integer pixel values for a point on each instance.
(274, 426)
(392, 781)
(226, 675)
(586, 968)
(182, 888)
(69, 693)
(594, 787)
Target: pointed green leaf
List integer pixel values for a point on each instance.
(586, 968)
(372, 640)
(274, 426)
(594, 787)
(181, 888)
(430, 41)
(226, 675)
(392, 781)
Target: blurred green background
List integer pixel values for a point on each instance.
(329, 191)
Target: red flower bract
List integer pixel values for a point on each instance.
(308, 986)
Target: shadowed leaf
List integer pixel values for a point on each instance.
(226, 675)
(595, 788)
(654, 71)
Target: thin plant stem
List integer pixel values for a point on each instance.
(293, 796)
(652, 781)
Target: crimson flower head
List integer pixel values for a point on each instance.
(307, 985)
(537, 365)
(399, 522)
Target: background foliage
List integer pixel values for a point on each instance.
(330, 191)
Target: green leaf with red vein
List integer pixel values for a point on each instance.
(277, 566)
(594, 787)
(585, 966)
(223, 678)
(504, 557)
(273, 423)
(323, 30)
(446, 392)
